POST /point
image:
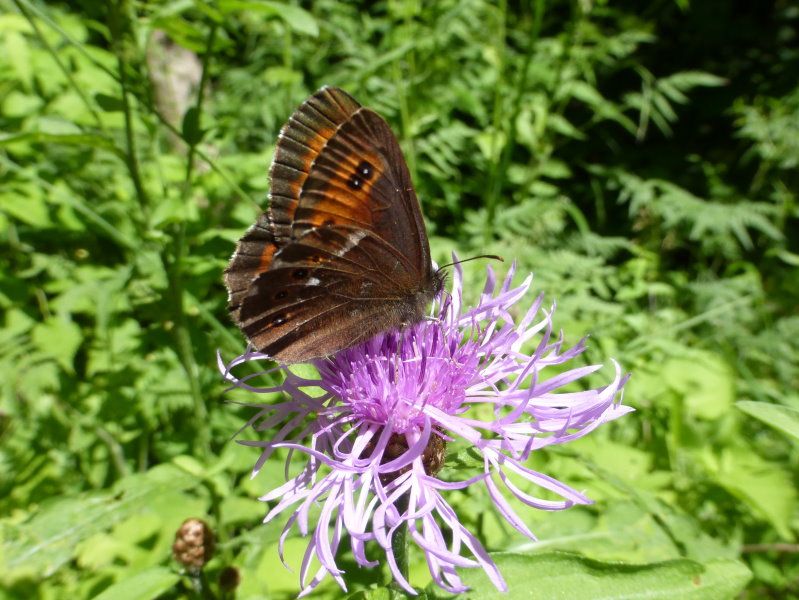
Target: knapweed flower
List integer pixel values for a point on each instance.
(375, 438)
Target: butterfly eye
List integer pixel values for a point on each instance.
(300, 273)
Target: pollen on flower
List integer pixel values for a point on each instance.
(376, 439)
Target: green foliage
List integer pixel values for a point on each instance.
(571, 576)
(643, 163)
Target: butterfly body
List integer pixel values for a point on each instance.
(341, 254)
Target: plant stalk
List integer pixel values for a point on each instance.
(399, 546)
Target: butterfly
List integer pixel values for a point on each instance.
(341, 254)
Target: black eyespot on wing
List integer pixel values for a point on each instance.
(355, 182)
(281, 294)
(365, 170)
(278, 321)
(299, 273)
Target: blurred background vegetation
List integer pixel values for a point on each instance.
(640, 158)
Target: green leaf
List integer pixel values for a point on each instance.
(764, 485)
(561, 125)
(150, 583)
(191, 465)
(18, 54)
(16, 104)
(60, 338)
(582, 91)
(689, 79)
(27, 208)
(298, 19)
(782, 418)
(40, 545)
(109, 103)
(705, 381)
(69, 139)
(574, 577)
(191, 127)
(375, 594)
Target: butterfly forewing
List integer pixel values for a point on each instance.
(342, 253)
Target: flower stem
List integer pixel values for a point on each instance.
(399, 546)
(199, 585)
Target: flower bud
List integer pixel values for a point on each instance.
(194, 544)
(229, 579)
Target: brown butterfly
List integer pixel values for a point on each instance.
(341, 254)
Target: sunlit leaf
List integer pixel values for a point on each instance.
(571, 576)
(297, 18)
(782, 418)
(149, 583)
(60, 338)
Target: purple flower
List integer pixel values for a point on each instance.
(375, 439)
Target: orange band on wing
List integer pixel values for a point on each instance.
(266, 257)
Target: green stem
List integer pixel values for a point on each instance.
(501, 156)
(199, 105)
(175, 271)
(115, 450)
(200, 587)
(405, 117)
(494, 185)
(399, 546)
(131, 155)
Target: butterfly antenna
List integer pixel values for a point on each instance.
(458, 262)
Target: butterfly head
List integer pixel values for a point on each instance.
(439, 280)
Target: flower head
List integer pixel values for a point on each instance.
(376, 439)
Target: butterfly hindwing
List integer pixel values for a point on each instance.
(330, 277)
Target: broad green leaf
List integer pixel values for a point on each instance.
(150, 583)
(28, 208)
(766, 486)
(109, 103)
(49, 537)
(704, 380)
(60, 338)
(782, 418)
(18, 53)
(191, 465)
(191, 127)
(295, 17)
(558, 575)
(247, 511)
(17, 104)
(14, 22)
